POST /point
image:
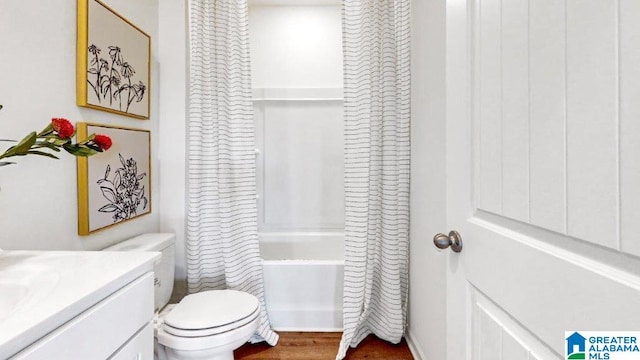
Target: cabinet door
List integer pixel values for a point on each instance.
(140, 347)
(102, 329)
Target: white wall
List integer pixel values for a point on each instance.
(300, 168)
(173, 127)
(296, 58)
(427, 298)
(296, 46)
(38, 197)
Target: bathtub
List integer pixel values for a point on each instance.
(303, 276)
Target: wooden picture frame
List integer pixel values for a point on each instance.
(113, 62)
(114, 186)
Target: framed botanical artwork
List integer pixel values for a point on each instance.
(114, 186)
(114, 62)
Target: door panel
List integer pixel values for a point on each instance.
(542, 173)
(489, 334)
(490, 124)
(495, 342)
(579, 139)
(499, 337)
(545, 288)
(515, 110)
(629, 125)
(512, 348)
(592, 121)
(546, 114)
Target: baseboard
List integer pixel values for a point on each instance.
(306, 320)
(414, 348)
(306, 329)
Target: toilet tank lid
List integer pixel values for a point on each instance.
(144, 242)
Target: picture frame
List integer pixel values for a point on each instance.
(113, 62)
(114, 186)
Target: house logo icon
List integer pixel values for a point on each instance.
(576, 346)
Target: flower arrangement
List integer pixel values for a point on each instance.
(55, 137)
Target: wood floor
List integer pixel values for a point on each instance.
(322, 346)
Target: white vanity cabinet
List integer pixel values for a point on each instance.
(99, 306)
(100, 331)
(140, 347)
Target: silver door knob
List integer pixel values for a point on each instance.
(442, 241)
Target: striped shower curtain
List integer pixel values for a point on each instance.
(376, 44)
(222, 230)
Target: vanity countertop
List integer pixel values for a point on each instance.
(41, 290)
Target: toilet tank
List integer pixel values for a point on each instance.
(163, 269)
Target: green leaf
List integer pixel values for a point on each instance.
(47, 130)
(42, 153)
(79, 150)
(26, 143)
(94, 147)
(55, 139)
(22, 147)
(60, 142)
(46, 144)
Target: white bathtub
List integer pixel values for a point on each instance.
(303, 275)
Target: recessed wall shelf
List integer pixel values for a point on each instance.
(298, 94)
(294, 2)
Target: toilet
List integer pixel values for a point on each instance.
(208, 325)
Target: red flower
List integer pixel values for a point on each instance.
(63, 127)
(103, 141)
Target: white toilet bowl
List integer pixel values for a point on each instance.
(209, 325)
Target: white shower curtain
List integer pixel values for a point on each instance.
(222, 230)
(376, 44)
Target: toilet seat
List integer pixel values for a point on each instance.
(210, 331)
(223, 342)
(210, 313)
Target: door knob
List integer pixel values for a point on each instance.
(442, 241)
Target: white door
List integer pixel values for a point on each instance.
(543, 173)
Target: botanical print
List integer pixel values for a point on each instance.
(111, 78)
(114, 186)
(124, 192)
(114, 59)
